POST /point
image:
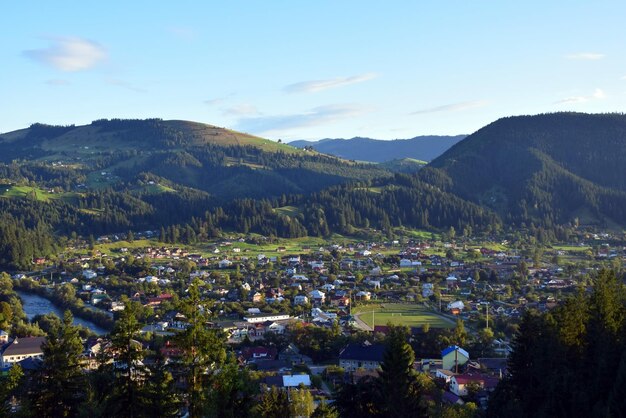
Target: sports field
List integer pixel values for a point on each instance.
(407, 314)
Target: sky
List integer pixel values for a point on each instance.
(309, 70)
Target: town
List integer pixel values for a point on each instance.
(309, 315)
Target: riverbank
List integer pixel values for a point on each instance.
(34, 305)
(99, 319)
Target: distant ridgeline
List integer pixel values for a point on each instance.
(191, 181)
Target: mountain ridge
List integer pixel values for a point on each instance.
(543, 168)
(424, 148)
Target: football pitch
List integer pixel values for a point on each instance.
(409, 315)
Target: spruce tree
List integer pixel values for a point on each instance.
(399, 391)
(60, 381)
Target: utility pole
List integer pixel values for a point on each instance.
(487, 315)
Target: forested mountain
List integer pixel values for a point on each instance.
(425, 148)
(192, 182)
(547, 169)
(223, 163)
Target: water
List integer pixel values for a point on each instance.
(36, 305)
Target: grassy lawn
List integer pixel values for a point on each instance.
(400, 314)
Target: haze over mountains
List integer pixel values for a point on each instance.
(424, 148)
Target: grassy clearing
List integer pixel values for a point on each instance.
(571, 248)
(376, 190)
(21, 192)
(288, 211)
(400, 314)
(156, 189)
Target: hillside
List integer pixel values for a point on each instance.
(550, 168)
(425, 148)
(120, 153)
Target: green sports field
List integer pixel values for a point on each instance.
(410, 315)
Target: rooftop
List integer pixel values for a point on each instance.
(23, 346)
(363, 352)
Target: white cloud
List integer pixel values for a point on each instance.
(314, 86)
(315, 117)
(452, 107)
(69, 54)
(243, 109)
(597, 94)
(585, 56)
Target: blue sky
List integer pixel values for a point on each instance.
(308, 70)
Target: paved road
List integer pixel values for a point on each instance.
(318, 370)
(362, 325)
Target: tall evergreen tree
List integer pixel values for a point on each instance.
(159, 396)
(399, 390)
(203, 350)
(128, 368)
(274, 404)
(60, 381)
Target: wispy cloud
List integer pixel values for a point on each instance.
(315, 117)
(57, 82)
(597, 94)
(215, 101)
(452, 107)
(124, 84)
(585, 56)
(243, 109)
(314, 86)
(69, 54)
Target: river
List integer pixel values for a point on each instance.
(36, 305)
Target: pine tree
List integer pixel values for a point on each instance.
(325, 410)
(128, 368)
(274, 404)
(398, 388)
(159, 396)
(203, 350)
(60, 381)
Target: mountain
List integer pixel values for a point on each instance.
(403, 165)
(174, 154)
(548, 169)
(425, 148)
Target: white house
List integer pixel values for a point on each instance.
(89, 274)
(456, 305)
(255, 319)
(427, 289)
(300, 300)
(225, 264)
(317, 296)
(21, 349)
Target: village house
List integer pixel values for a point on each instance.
(361, 356)
(21, 349)
(454, 356)
(459, 383)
